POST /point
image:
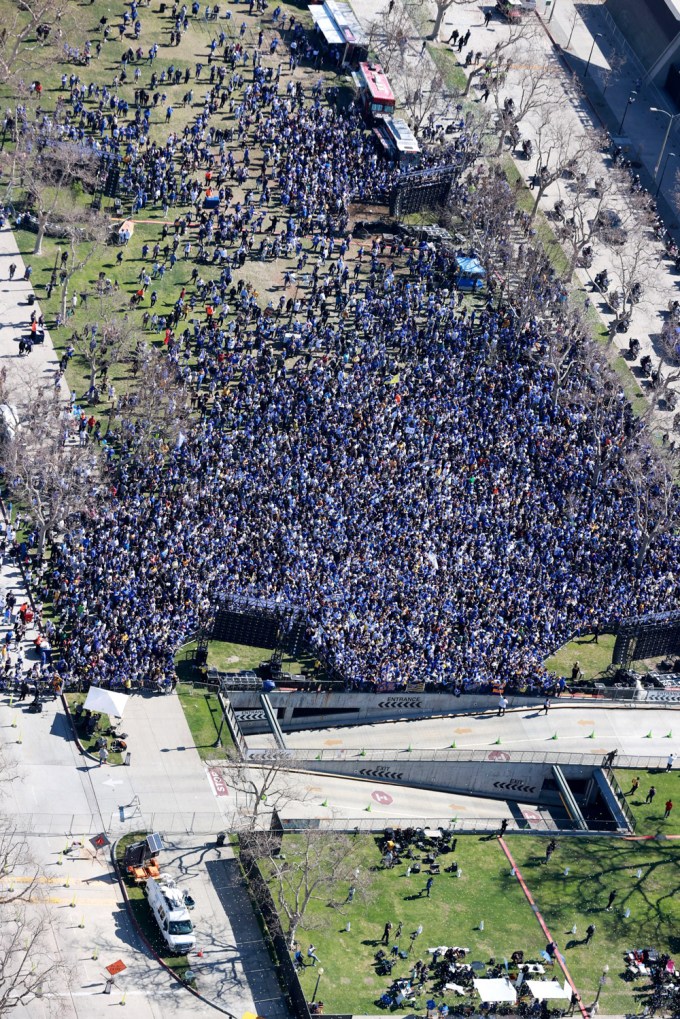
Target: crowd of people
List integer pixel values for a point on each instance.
(372, 449)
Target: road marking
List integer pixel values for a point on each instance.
(217, 783)
(113, 782)
(380, 796)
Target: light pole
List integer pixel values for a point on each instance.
(597, 36)
(631, 99)
(319, 974)
(671, 118)
(663, 172)
(603, 981)
(554, 5)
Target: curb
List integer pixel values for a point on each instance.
(147, 944)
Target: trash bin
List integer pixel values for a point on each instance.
(221, 838)
(161, 9)
(128, 758)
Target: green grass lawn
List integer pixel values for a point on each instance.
(204, 717)
(142, 912)
(649, 817)
(450, 917)
(596, 867)
(104, 721)
(593, 658)
(488, 892)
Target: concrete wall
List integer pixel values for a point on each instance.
(312, 710)
(497, 780)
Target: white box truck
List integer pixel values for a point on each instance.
(171, 914)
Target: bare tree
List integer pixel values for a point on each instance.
(498, 62)
(261, 787)
(633, 264)
(110, 339)
(47, 169)
(651, 475)
(156, 409)
(441, 8)
(30, 31)
(531, 89)
(85, 232)
(51, 474)
(389, 34)
(426, 96)
(314, 864)
(559, 150)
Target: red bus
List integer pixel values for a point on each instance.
(377, 98)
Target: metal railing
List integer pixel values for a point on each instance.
(620, 796)
(434, 756)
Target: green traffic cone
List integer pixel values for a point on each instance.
(325, 803)
(649, 735)
(496, 742)
(554, 736)
(362, 753)
(408, 749)
(453, 745)
(369, 808)
(592, 735)
(669, 734)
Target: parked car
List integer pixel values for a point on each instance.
(512, 10)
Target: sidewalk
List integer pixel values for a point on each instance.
(15, 315)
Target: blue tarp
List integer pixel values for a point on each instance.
(470, 273)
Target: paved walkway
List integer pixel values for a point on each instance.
(15, 316)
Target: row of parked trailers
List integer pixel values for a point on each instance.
(378, 104)
(339, 27)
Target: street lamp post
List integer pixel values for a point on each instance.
(319, 974)
(597, 36)
(671, 118)
(603, 981)
(554, 5)
(663, 172)
(631, 99)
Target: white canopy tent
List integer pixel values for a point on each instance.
(106, 702)
(544, 989)
(499, 989)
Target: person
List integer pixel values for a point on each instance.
(669, 807)
(504, 827)
(590, 931)
(453, 38)
(385, 940)
(651, 794)
(400, 927)
(546, 705)
(103, 756)
(669, 762)
(550, 849)
(502, 706)
(350, 894)
(487, 17)
(298, 960)
(12, 270)
(576, 672)
(428, 886)
(610, 900)
(634, 786)
(311, 954)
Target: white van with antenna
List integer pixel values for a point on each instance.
(169, 908)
